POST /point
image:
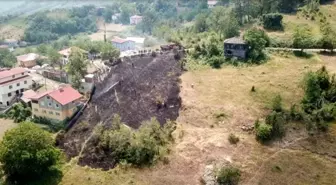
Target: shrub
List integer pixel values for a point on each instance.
(277, 104)
(277, 120)
(258, 40)
(228, 176)
(27, 153)
(272, 21)
(264, 132)
(53, 125)
(253, 89)
(233, 139)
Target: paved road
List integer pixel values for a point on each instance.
(295, 49)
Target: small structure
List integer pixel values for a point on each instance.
(67, 52)
(12, 43)
(58, 104)
(26, 97)
(57, 75)
(87, 85)
(212, 3)
(13, 82)
(115, 17)
(235, 47)
(135, 19)
(27, 60)
(123, 44)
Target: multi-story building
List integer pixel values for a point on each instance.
(13, 82)
(57, 104)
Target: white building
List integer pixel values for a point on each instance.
(212, 3)
(123, 44)
(13, 82)
(135, 19)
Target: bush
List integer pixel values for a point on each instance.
(233, 139)
(139, 148)
(258, 40)
(27, 153)
(228, 176)
(263, 132)
(272, 21)
(277, 104)
(277, 120)
(53, 125)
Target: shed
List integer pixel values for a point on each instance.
(235, 47)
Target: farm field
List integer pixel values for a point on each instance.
(201, 136)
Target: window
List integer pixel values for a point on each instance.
(49, 104)
(13, 76)
(18, 84)
(36, 110)
(0, 103)
(10, 87)
(57, 105)
(48, 97)
(25, 82)
(22, 74)
(50, 112)
(9, 94)
(58, 114)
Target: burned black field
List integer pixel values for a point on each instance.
(137, 89)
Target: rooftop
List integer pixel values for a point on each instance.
(120, 40)
(234, 40)
(67, 52)
(212, 2)
(139, 40)
(11, 72)
(28, 57)
(62, 95)
(27, 95)
(136, 16)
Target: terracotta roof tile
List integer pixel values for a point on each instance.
(11, 72)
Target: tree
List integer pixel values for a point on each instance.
(272, 21)
(77, 66)
(328, 40)
(200, 23)
(125, 15)
(54, 57)
(148, 22)
(27, 153)
(7, 59)
(108, 51)
(220, 18)
(19, 113)
(107, 14)
(257, 40)
(302, 38)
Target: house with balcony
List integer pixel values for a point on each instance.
(13, 82)
(235, 47)
(59, 104)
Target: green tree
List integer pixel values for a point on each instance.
(328, 40)
(107, 14)
(54, 57)
(223, 22)
(19, 113)
(77, 66)
(28, 153)
(302, 38)
(148, 22)
(201, 23)
(257, 40)
(7, 59)
(108, 51)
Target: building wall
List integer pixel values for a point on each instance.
(235, 50)
(10, 89)
(135, 21)
(27, 64)
(129, 45)
(49, 108)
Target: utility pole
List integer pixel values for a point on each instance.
(104, 32)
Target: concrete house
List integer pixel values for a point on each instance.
(235, 47)
(58, 104)
(27, 60)
(135, 19)
(123, 44)
(13, 82)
